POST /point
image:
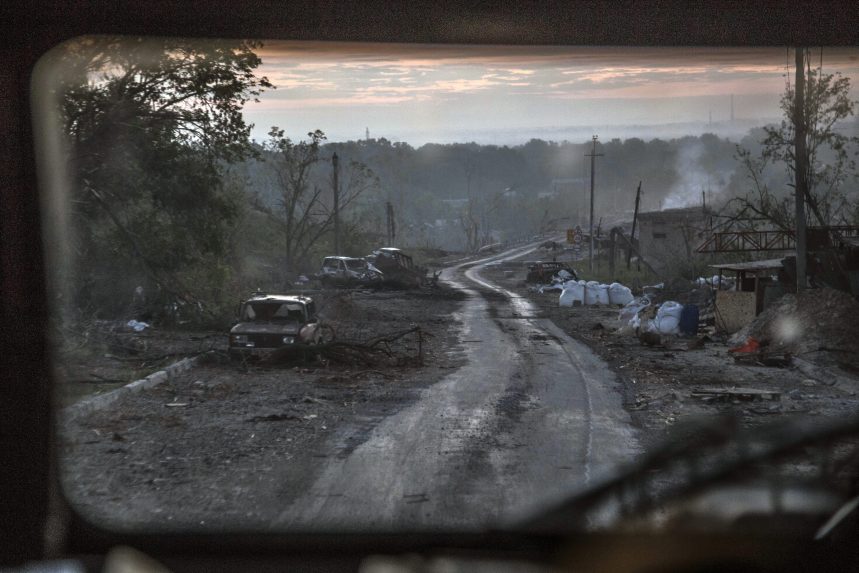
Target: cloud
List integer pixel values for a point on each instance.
(340, 102)
(461, 85)
(347, 77)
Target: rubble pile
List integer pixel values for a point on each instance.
(818, 325)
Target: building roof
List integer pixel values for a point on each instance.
(766, 265)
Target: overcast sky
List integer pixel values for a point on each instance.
(506, 95)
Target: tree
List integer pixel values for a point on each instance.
(468, 218)
(305, 214)
(152, 127)
(827, 157)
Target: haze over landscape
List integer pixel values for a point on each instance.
(508, 95)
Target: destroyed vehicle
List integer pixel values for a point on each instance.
(347, 271)
(545, 271)
(271, 321)
(397, 267)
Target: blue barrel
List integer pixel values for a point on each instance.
(689, 320)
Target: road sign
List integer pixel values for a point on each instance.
(575, 236)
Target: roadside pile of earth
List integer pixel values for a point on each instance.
(818, 325)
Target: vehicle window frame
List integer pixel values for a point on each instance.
(28, 394)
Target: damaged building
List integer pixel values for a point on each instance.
(666, 235)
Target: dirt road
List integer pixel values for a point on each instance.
(507, 414)
(532, 416)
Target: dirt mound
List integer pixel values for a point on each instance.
(817, 324)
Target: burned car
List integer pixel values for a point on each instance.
(545, 271)
(271, 321)
(398, 268)
(347, 271)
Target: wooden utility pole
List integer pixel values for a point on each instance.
(800, 170)
(593, 155)
(634, 220)
(336, 165)
(392, 230)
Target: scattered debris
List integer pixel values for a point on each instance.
(698, 343)
(650, 338)
(544, 272)
(375, 352)
(734, 394)
(137, 326)
(751, 345)
(813, 324)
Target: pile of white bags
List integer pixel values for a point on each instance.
(592, 292)
(573, 291)
(619, 294)
(726, 283)
(667, 319)
(596, 293)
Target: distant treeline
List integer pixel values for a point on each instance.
(521, 190)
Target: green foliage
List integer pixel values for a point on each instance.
(151, 126)
(830, 163)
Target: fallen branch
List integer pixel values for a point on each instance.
(375, 352)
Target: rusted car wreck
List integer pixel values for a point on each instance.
(398, 269)
(272, 321)
(347, 272)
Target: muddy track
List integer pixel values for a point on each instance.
(509, 416)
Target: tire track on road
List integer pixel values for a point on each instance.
(517, 428)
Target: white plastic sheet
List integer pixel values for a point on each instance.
(137, 326)
(629, 313)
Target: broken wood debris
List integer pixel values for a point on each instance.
(734, 394)
(375, 352)
(772, 359)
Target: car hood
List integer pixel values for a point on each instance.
(266, 328)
